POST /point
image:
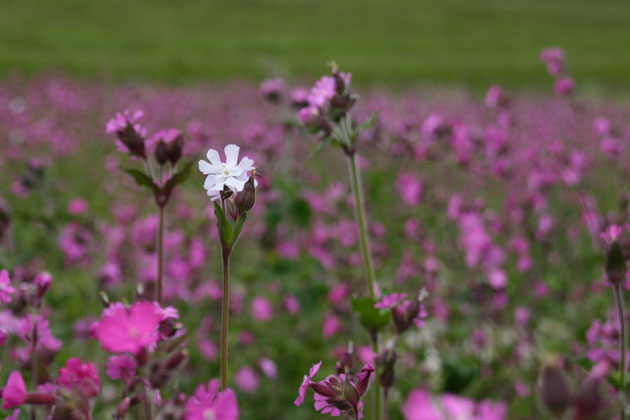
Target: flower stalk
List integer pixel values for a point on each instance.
(160, 256)
(622, 344)
(225, 311)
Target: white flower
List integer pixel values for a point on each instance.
(229, 174)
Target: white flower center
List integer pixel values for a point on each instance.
(209, 414)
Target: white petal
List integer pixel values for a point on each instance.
(211, 181)
(246, 164)
(236, 185)
(213, 157)
(231, 154)
(206, 168)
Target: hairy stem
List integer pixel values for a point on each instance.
(224, 318)
(160, 255)
(622, 344)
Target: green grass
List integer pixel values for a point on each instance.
(396, 43)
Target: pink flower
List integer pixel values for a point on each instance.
(338, 394)
(331, 326)
(83, 377)
(14, 416)
(409, 188)
(45, 339)
(246, 379)
(553, 57)
(77, 206)
(262, 309)
(292, 304)
(611, 233)
(121, 367)
(494, 96)
(390, 301)
(207, 403)
(322, 92)
(564, 86)
(305, 383)
(268, 367)
(5, 287)
(121, 330)
(14, 393)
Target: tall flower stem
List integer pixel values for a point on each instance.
(224, 318)
(622, 343)
(361, 219)
(160, 254)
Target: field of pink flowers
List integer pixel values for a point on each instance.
(420, 255)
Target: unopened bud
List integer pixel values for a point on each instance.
(387, 360)
(555, 393)
(132, 140)
(123, 407)
(245, 199)
(175, 360)
(161, 153)
(175, 149)
(589, 401)
(615, 264)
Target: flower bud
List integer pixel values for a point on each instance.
(589, 400)
(161, 153)
(387, 360)
(245, 199)
(175, 148)
(175, 360)
(5, 221)
(555, 393)
(132, 140)
(123, 407)
(615, 264)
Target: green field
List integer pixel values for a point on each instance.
(396, 43)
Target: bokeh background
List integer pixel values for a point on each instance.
(394, 43)
(66, 66)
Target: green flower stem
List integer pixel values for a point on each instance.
(357, 191)
(224, 318)
(160, 247)
(622, 346)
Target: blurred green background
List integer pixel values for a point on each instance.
(394, 43)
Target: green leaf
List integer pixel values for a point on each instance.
(369, 123)
(370, 317)
(225, 228)
(142, 179)
(238, 226)
(182, 175)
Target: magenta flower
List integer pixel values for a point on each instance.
(262, 310)
(207, 403)
(322, 92)
(14, 415)
(553, 58)
(246, 379)
(390, 301)
(5, 287)
(337, 394)
(80, 376)
(130, 134)
(421, 405)
(121, 367)
(409, 188)
(14, 393)
(77, 206)
(123, 330)
(564, 86)
(305, 383)
(45, 338)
